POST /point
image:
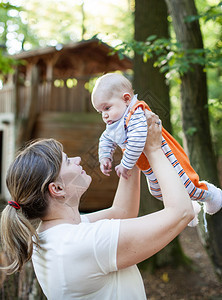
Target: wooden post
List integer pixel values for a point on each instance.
(49, 83)
(26, 123)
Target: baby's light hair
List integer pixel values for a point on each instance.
(112, 83)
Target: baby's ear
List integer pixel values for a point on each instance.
(127, 98)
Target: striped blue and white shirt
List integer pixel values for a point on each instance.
(132, 137)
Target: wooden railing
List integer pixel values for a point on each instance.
(63, 99)
(7, 103)
(47, 97)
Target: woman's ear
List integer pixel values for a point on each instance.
(127, 98)
(56, 190)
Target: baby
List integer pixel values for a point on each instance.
(126, 126)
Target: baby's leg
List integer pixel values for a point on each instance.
(213, 203)
(212, 197)
(195, 193)
(153, 184)
(155, 191)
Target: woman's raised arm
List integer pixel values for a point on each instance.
(142, 237)
(126, 201)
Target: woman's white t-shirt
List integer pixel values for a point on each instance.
(79, 262)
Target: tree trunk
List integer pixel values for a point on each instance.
(195, 118)
(149, 83)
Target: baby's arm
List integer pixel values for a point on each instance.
(106, 149)
(136, 139)
(122, 171)
(106, 166)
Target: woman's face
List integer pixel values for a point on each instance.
(73, 177)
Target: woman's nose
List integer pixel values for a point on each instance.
(77, 160)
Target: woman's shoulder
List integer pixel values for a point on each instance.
(84, 225)
(55, 225)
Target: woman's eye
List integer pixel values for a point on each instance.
(68, 161)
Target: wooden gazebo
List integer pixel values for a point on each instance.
(49, 96)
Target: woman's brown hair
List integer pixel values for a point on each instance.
(27, 180)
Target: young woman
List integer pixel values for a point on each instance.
(92, 256)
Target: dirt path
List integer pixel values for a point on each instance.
(183, 284)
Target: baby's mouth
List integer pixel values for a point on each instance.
(109, 122)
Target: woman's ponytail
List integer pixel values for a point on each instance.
(27, 180)
(16, 238)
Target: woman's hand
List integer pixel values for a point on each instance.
(154, 132)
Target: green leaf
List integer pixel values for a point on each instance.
(190, 19)
(121, 56)
(151, 37)
(191, 131)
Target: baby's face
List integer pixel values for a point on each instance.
(112, 109)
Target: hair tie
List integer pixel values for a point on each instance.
(14, 204)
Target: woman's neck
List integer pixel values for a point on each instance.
(60, 215)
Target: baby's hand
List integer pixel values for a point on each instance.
(106, 166)
(120, 170)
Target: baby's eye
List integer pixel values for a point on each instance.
(107, 107)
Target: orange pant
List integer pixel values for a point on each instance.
(176, 148)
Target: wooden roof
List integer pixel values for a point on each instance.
(87, 57)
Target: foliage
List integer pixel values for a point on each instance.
(170, 56)
(54, 22)
(211, 13)
(109, 20)
(215, 108)
(6, 64)
(174, 61)
(14, 30)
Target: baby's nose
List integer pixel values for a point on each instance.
(105, 114)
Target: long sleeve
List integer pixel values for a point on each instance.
(106, 146)
(136, 138)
